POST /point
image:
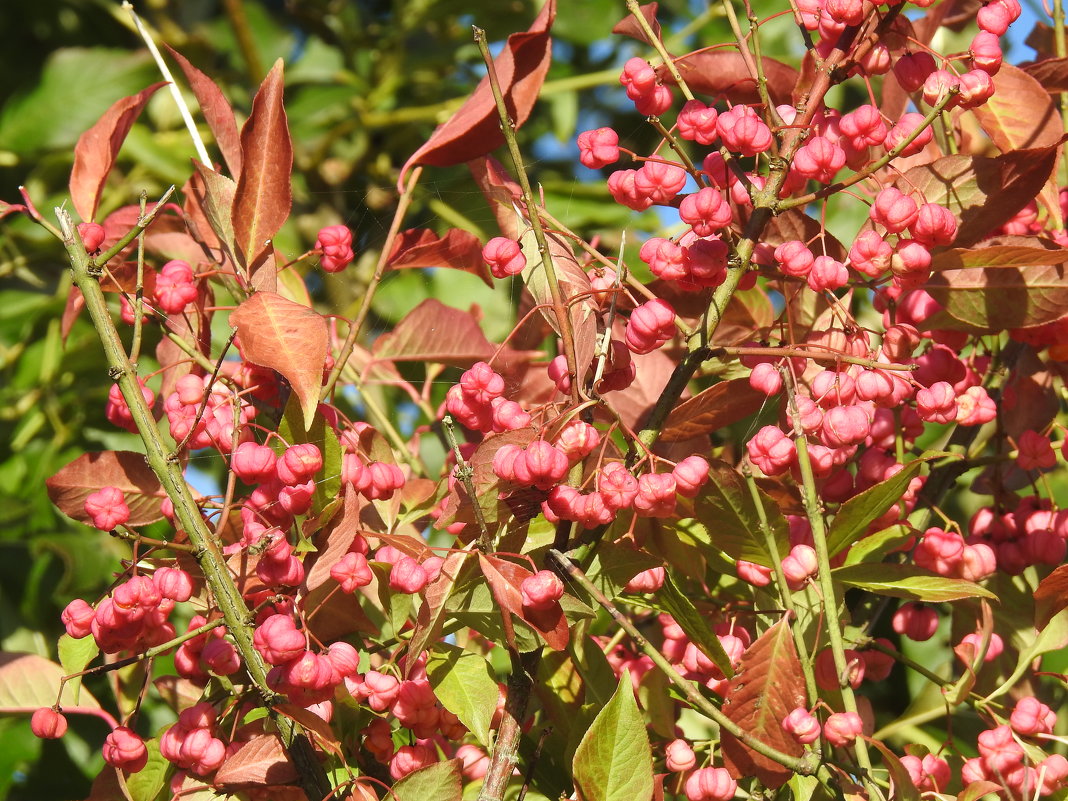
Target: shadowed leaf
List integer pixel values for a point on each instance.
(675, 602)
(711, 409)
(904, 789)
(628, 26)
(95, 153)
(996, 256)
(1051, 596)
(474, 130)
(767, 687)
(432, 612)
(90, 472)
(287, 337)
(908, 581)
(723, 73)
(999, 298)
(264, 195)
(464, 683)
(261, 760)
(1051, 73)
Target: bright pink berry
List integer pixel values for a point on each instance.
(997, 16)
(999, 751)
(827, 273)
(842, 728)
(800, 565)
(863, 127)
(656, 102)
(638, 77)
(92, 235)
(705, 211)
(408, 576)
(335, 243)
(794, 258)
(928, 774)
(751, 572)
(622, 186)
(299, 463)
(648, 581)
(175, 287)
(1030, 717)
(802, 725)
(253, 463)
(278, 640)
(903, 129)
(351, 571)
(617, 487)
(938, 86)
(650, 325)
(660, 181)
(679, 756)
(743, 132)
(893, 210)
(771, 451)
(656, 495)
(690, 475)
(697, 122)
(710, 784)
(994, 649)
(410, 758)
(766, 378)
(107, 508)
(937, 403)
(598, 148)
(540, 465)
(221, 656)
(985, 51)
(577, 440)
(819, 159)
(504, 257)
(976, 87)
(543, 590)
(173, 583)
(124, 749)
(934, 225)
(48, 724)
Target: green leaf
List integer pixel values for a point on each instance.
(440, 782)
(727, 518)
(28, 682)
(465, 685)
(907, 581)
(878, 545)
(675, 603)
(74, 655)
(614, 564)
(613, 761)
(148, 783)
(855, 515)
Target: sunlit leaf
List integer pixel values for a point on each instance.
(90, 472)
(908, 581)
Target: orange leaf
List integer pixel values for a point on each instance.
(457, 250)
(768, 686)
(264, 194)
(285, 336)
(261, 760)
(95, 153)
(434, 332)
(216, 110)
(718, 406)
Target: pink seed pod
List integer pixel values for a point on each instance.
(800, 565)
(916, 621)
(656, 495)
(543, 590)
(679, 756)
(540, 465)
(408, 576)
(999, 750)
(299, 463)
(976, 87)
(278, 640)
(352, 571)
(690, 475)
(107, 508)
(410, 758)
(819, 159)
(48, 724)
(656, 102)
(175, 287)
(598, 148)
(863, 127)
(253, 463)
(937, 403)
(996, 17)
(827, 274)
(577, 440)
(938, 86)
(1030, 717)
(710, 784)
(335, 243)
(617, 487)
(697, 122)
(743, 132)
(481, 383)
(877, 61)
(931, 773)
(795, 258)
(508, 415)
(751, 572)
(995, 648)
(766, 378)
(842, 728)
(621, 185)
(504, 257)
(934, 225)
(648, 581)
(221, 656)
(638, 77)
(985, 51)
(660, 181)
(893, 210)
(173, 583)
(802, 725)
(650, 325)
(845, 425)
(705, 211)
(92, 235)
(344, 657)
(78, 618)
(904, 128)
(124, 749)
(771, 451)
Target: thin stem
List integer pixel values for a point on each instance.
(125, 534)
(369, 295)
(463, 473)
(139, 290)
(563, 321)
(142, 223)
(1062, 50)
(814, 355)
(814, 514)
(805, 765)
(235, 612)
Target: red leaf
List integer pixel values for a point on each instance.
(90, 472)
(501, 193)
(636, 401)
(1052, 73)
(95, 153)
(505, 579)
(431, 616)
(767, 687)
(73, 308)
(216, 110)
(342, 530)
(434, 332)
(287, 337)
(711, 409)
(997, 256)
(982, 192)
(264, 195)
(458, 250)
(628, 26)
(261, 760)
(474, 130)
(1021, 115)
(10, 208)
(723, 72)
